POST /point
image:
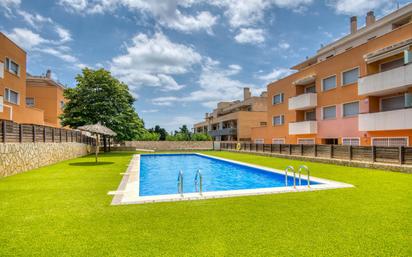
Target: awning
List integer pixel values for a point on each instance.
(388, 51)
(305, 81)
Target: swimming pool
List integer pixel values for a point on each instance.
(159, 173)
(154, 178)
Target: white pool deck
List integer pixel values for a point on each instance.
(128, 190)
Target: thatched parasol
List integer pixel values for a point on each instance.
(98, 129)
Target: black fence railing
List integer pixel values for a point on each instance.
(395, 155)
(12, 132)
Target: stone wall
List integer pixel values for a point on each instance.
(19, 157)
(170, 145)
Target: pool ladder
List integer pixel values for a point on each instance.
(198, 182)
(301, 168)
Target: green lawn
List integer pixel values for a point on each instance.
(64, 210)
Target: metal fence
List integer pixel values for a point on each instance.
(395, 155)
(12, 132)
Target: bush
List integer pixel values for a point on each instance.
(149, 136)
(201, 137)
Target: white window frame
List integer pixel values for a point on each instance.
(342, 112)
(278, 139)
(7, 99)
(336, 112)
(282, 96)
(351, 138)
(282, 118)
(336, 83)
(7, 65)
(259, 141)
(341, 76)
(34, 101)
(405, 137)
(311, 138)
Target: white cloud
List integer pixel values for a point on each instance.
(284, 45)
(149, 111)
(358, 7)
(167, 13)
(275, 74)
(250, 36)
(251, 12)
(215, 84)
(151, 60)
(63, 33)
(9, 4)
(34, 20)
(26, 38)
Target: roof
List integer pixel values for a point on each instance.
(98, 128)
(44, 78)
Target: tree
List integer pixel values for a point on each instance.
(161, 131)
(99, 97)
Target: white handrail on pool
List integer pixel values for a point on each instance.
(290, 168)
(304, 167)
(180, 183)
(199, 181)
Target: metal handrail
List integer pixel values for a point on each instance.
(290, 168)
(199, 182)
(304, 167)
(180, 183)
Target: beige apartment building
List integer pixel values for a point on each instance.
(233, 121)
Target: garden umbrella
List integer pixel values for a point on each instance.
(98, 129)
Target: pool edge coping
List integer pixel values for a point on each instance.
(128, 190)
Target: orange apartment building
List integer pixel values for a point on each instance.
(354, 91)
(233, 121)
(26, 99)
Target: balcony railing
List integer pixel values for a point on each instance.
(390, 120)
(223, 132)
(387, 82)
(303, 128)
(303, 102)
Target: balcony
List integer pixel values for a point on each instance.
(223, 132)
(388, 82)
(390, 120)
(303, 102)
(303, 128)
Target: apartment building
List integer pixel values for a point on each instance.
(233, 121)
(354, 91)
(24, 98)
(46, 94)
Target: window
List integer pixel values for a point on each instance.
(1, 70)
(329, 83)
(310, 89)
(390, 141)
(30, 101)
(259, 141)
(349, 77)
(278, 120)
(310, 115)
(12, 67)
(277, 99)
(306, 141)
(393, 103)
(351, 141)
(278, 141)
(329, 112)
(62, 104)
(351, 109)
(392, 64)
(11, 96)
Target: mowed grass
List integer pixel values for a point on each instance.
(64, 210)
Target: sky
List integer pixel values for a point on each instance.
(179, 57)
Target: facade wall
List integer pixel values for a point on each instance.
(170, 145)
(340, 127)
(20, 157)
(47, 97)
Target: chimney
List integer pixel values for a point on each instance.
(246, 93)
(353, 24)
(370, 18)
(48, 74)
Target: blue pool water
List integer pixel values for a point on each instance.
(159, 172)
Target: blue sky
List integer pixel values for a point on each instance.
(179, 57)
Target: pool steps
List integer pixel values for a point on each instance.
(292, 170)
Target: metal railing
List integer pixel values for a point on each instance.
(180, 183)
(199, 182)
